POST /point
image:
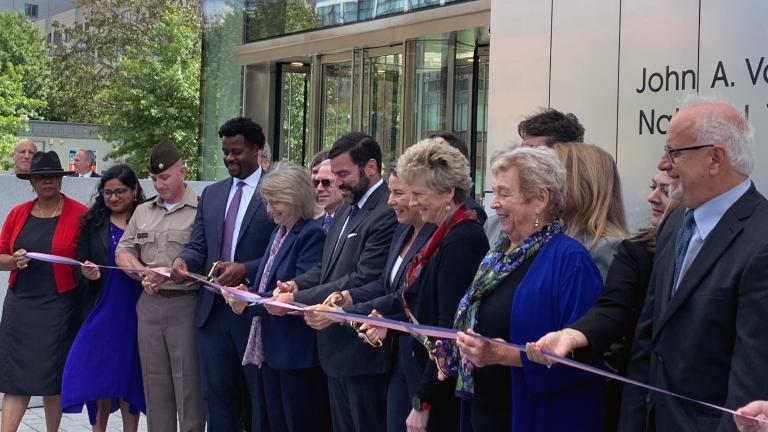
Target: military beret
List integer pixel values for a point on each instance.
(163, 156)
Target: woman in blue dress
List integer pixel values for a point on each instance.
(102, 369)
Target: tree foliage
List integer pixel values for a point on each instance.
(86, 65)
(154, 92)
(24, 79)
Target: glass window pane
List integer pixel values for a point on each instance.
(430, 92)
(294, 111)
(382, 80)
(336, 102)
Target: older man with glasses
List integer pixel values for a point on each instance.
(328, 194)
(701, 332)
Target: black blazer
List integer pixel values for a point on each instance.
(616, 312)
(92, 246)
(435, 295)
(708, 340)
(205, 240)
(358, 260)
(93, 175)
(381, 294)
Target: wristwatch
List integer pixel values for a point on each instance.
(418, 405)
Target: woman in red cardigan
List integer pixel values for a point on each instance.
(40, 313)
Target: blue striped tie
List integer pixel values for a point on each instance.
(681, 246)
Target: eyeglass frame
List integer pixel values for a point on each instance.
(325, 182)
(118, 193)
(670, 152)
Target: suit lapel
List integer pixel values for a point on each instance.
(253, 206)
(104, 239)
(219, 200)
(717, 243)
(421, 239)
(370, 204)
(333, 234)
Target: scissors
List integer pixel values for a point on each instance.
(334, 300)
(434, 349)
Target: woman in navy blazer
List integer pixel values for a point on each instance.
(283, 346)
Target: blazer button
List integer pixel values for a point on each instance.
(659, 358)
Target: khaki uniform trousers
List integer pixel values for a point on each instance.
(167, 348)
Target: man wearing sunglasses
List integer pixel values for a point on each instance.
(328, 195)
(701, 332)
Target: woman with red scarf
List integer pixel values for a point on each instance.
(437, 277)
(41, 309)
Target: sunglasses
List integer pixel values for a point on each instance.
(325, 182)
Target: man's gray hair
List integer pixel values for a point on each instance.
(89, 154)
(736, 135)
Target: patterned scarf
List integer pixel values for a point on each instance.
(420, 260)
(493, 269)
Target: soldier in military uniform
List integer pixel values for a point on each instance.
(156, 233)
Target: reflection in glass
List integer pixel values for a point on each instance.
(381, 100)
(336, 102)
(430, 92)
(222, 86)
(294, 110)
(271, 18)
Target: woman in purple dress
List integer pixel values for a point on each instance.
(102, 370)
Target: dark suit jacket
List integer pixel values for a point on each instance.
(381, 294)
(205, 240)
(93, 175)
(92, 246)
(617, 310)
(288, 342)
(358, 259)
(707, 341)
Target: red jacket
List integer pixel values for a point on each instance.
(63, 244)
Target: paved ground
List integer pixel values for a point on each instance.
(34, 421)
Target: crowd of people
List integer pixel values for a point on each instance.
(553, 267)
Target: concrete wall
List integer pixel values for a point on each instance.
(624, 68)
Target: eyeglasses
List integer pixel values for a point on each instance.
(325, 182)
(118, 193)
(671, 152)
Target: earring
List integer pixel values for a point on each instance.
(536, 223)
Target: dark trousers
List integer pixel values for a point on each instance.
(398, 400)
(358, 403)
(221, 342)
(297, 399)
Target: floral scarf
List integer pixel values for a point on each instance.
(493, 269)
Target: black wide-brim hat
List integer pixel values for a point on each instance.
(44, 164)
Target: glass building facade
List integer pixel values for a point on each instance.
(399, 91)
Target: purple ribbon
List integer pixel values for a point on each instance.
(413, 329)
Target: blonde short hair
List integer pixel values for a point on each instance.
(442, 167)
(537, 168)
(289, 183)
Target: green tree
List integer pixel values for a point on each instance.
(154, 92)
(86, 65)
(22, 45)
(24, 79)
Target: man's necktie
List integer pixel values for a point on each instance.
(681, 246)
(327, 222)
(229, 223)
